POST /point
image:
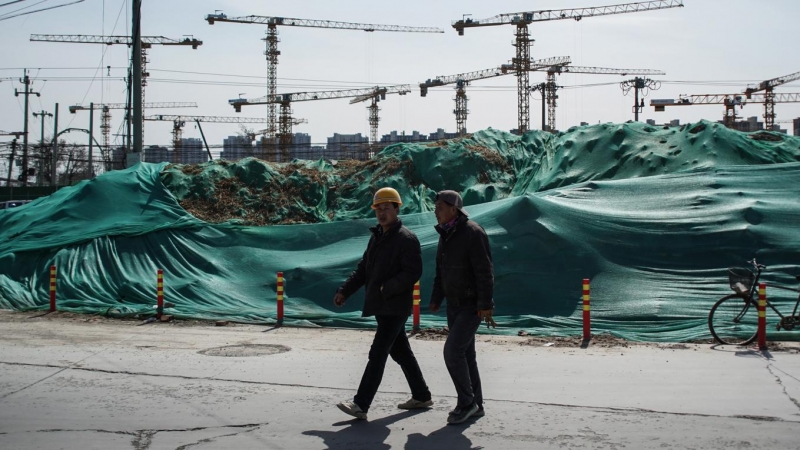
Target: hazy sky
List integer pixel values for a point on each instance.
(706, 47)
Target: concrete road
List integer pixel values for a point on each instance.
(82, 382)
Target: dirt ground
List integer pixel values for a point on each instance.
(426, 334)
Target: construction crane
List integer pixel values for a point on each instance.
(105, 118)
(769, 96)
(523, 41)
(178, 122)
(462, 80)
(272, 40)
(379, 93)
(549, 87)
(147, 43)
(731, 101)
(285, 100)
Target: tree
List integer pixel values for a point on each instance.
(75, 163)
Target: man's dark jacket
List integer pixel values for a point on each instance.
(464, 270)
(389, 268)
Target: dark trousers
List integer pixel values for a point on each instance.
(459, 354)
(390, 340)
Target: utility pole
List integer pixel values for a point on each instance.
(91, 135)
(638, 84)
(137, 76)
(53, 182)
(11, 167)
(39, 173)
(25, 81)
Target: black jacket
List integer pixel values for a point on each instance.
(389, 268)
(464, 270)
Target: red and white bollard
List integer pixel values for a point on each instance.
(52, 288)
(587, 327)
(280, 298)
(416, 306)
(160, 294)
(762, 316)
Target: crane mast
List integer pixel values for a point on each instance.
(769, 96)
(522, 41)
(179, 121)
(462, 80)
(285, 101)
(282, 126)
(731, 101)
(146, 42)
(105, 117)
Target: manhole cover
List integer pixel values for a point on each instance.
(246, 350)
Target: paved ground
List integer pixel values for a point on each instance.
(80, 383)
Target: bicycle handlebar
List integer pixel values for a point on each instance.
(758, 266)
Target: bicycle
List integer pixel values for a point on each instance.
(733, 319)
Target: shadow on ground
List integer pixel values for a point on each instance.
(372, 434)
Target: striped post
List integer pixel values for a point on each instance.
(160, 293)
(280, 298)
(416, 306)
(762, 316)
(586, 308)
(52, 288)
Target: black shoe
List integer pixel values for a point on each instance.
(459, 415)
(479, 413)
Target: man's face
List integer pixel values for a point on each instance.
(445, 212)
(386, 214)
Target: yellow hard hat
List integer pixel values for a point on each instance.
(386, 195)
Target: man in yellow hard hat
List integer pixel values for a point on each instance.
(389, 268)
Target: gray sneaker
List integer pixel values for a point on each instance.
(350, 407)
(413, 403)
(460, 415)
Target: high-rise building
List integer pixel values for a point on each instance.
(156, 154)
(395, 137)
(192, 151)
(235, 148)
(441, 134)
(301, 146)
(347, 146)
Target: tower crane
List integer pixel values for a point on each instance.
(105, 118)
(769, 96)
(462, 80)
(147, 43)
(523, 41)
(729, 100)
(178, 122)
(285, 101)
(379, 93)
(272, 40)
(549, 88)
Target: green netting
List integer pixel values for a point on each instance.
(652, 216)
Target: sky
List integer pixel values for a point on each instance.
(706, 47)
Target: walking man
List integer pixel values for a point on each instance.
(465, 277)
(389, 268)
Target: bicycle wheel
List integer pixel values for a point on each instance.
(733, 320)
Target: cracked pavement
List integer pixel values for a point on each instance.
(76, 384)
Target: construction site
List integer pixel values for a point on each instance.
(499, 173)
(196, 234)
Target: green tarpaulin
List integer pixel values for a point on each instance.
(653, 216)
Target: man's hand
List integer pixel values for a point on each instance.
(433, 308)
(486, 316)
(339, 299)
